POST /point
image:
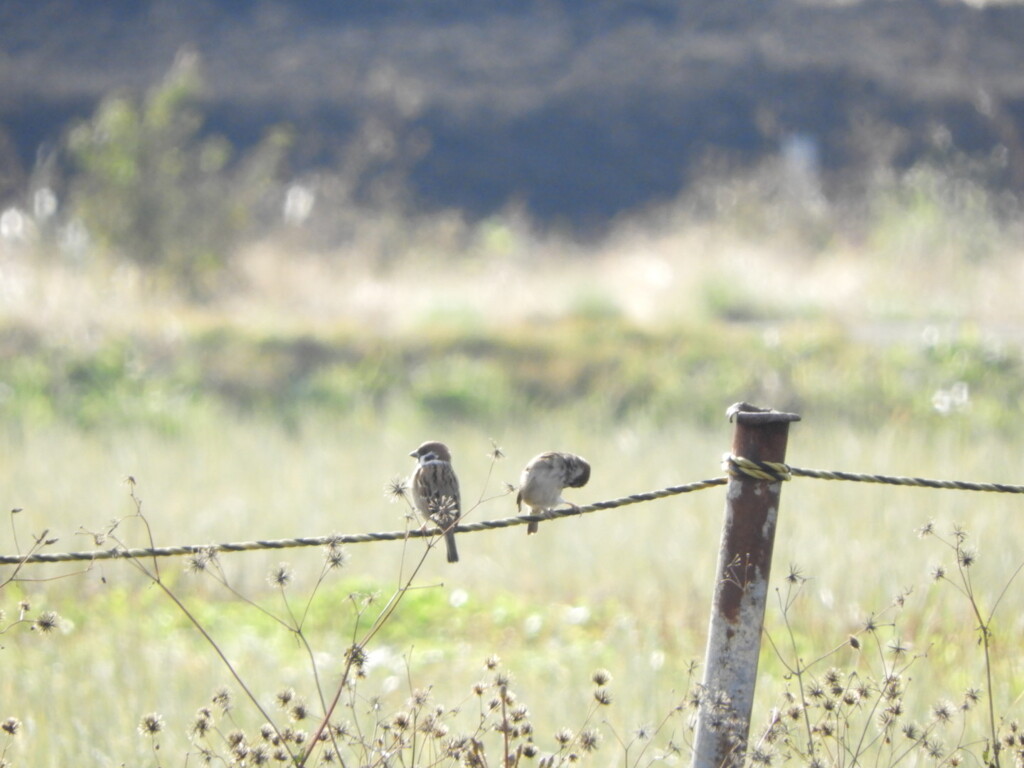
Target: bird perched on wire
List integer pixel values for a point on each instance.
(544, 478)
(435, 491)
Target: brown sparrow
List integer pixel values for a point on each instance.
(435, 491)
(541, 484)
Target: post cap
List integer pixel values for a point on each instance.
(745, 413)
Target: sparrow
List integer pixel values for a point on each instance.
(435, 491)
(542, 481)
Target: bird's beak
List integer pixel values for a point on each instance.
(413, 454)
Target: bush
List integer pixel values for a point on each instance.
(149, 186)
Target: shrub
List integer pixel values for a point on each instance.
(151, 187)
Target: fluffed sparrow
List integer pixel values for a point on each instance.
(435, 491)
(542, 481)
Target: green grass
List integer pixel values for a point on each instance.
(595, 367)
(285, 407)
(627, 590)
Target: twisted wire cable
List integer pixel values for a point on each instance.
(351, 538)
(777, 471)
(736, 466)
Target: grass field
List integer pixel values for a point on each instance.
(287, 406)
(627, 590)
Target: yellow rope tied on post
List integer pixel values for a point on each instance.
(759, 470)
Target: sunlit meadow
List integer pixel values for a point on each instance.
(287, 403)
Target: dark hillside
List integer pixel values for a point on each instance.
(577, 108)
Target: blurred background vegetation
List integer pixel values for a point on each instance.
(753, 285)
(253, 253)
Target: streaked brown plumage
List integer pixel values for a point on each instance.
(544, 478)
(435, 491)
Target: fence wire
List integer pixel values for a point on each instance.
(775, 471)
(354, 538)
(734, 465)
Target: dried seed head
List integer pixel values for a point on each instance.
(335, 556)
(203, 722)
(420, 697)
(235, 738)
(971, 697)
(357, 656)
(151, 724)
(11, 726)
(590, 740)
(396, 489)
(202, 559)
(280, 576)
(46, 622)
(897, 648)
(601, 677)
(222, 699)
(943, 711)
(340, 730)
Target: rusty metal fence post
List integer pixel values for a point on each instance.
(741, 591)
